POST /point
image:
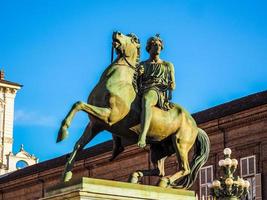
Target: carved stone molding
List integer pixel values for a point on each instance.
(8, 140)
(7, 90)
(241, 121)
(233, 121)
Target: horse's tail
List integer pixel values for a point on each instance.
(202, 149)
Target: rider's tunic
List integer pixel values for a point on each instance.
(156, 77)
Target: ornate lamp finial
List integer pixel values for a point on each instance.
(21, 147)
(2, 74)
(229, 187)
(157, 35)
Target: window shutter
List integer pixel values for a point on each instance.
(244, 171)
(258, 187)
(206, 177)
(251, 165)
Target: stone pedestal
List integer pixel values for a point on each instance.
(96, 189)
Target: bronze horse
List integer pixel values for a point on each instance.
(114, 105)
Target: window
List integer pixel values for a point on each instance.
(205, 178)
(21, 164)
(248, 166)
(249, 173)
(2, 108)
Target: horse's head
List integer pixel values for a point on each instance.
(127, 46)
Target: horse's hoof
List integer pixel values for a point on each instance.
(67, 176)
(141, 144)
(62, 134)
(164, 182)
(134, 178)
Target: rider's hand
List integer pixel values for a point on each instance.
(172, 85)
(141, 70)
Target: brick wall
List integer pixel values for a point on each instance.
(240, 125)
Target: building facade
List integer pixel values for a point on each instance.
(8, 161)
(240, 125)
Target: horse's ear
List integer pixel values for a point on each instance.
(134, 38)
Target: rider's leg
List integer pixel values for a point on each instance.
(149, 99)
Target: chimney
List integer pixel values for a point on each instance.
(2, 75)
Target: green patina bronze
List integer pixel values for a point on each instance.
(114, 105)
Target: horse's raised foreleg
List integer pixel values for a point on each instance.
(181, 150)
(90, 132)
(101, 113)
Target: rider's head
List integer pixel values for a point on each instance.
(154, 41)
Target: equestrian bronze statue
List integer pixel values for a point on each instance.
(115, 105)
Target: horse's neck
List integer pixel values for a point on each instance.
(121, 62)
(128, 61)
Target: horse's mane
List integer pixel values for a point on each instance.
(136, 73)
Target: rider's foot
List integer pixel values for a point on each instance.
(141, 143)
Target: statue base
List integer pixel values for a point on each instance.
(97, 189)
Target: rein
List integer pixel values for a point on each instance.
(130, 65)
(135, 77)
(112, 53)
(123, 56)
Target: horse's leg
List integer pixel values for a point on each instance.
(181, 150)
(117, 147)
(89, 133)
(101, 113)
(157, 171)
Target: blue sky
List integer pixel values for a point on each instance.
(58, 50)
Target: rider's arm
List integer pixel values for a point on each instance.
(172, 77)
(140, 69)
